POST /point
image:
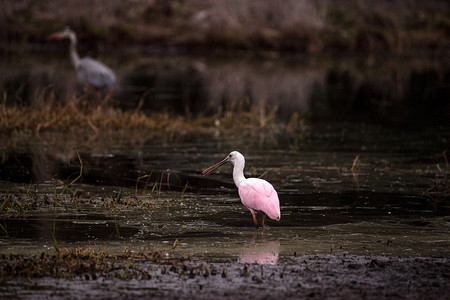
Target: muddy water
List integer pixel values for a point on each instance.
(393, 201)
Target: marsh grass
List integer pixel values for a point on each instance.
(86, 263)
(32, 200)
(90, 264)
(80, 114)
(145, 199)
(17, 204)
(4, 228)
(55, 242)
(21, 203)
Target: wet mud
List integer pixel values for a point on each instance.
(306, 276)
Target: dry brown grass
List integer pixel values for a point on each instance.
(81, 113)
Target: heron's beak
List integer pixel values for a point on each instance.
(53, 36)
(215, 167)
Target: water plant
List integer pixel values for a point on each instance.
(79, 175)
(55, 242)
(4, 228)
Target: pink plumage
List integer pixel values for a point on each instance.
(256, 194)
(259, 195)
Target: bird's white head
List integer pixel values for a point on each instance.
(66, 33)
(236, 158)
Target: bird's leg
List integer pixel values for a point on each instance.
(254, 218)
(264, 217)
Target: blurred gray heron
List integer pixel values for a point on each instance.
(89, 71)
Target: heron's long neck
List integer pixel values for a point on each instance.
(238, 173)
(73, 51)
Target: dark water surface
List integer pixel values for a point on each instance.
(413, 90)
(393, 201)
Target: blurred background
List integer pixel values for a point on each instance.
(377, 61)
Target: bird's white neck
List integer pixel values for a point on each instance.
(73, 51)
(238, 172)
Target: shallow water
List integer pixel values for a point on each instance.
(385, 205)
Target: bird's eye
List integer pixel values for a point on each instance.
(230, 155)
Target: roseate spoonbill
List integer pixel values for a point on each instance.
(89, 71)
(256, 194)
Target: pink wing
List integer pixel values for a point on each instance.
(259, 195)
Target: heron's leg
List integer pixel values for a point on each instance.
(254, 217)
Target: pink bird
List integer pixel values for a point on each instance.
(256, 194)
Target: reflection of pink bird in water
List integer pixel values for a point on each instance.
(265, 253)
(256, 194)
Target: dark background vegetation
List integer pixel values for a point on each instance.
(322, 26)
(371, 60)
